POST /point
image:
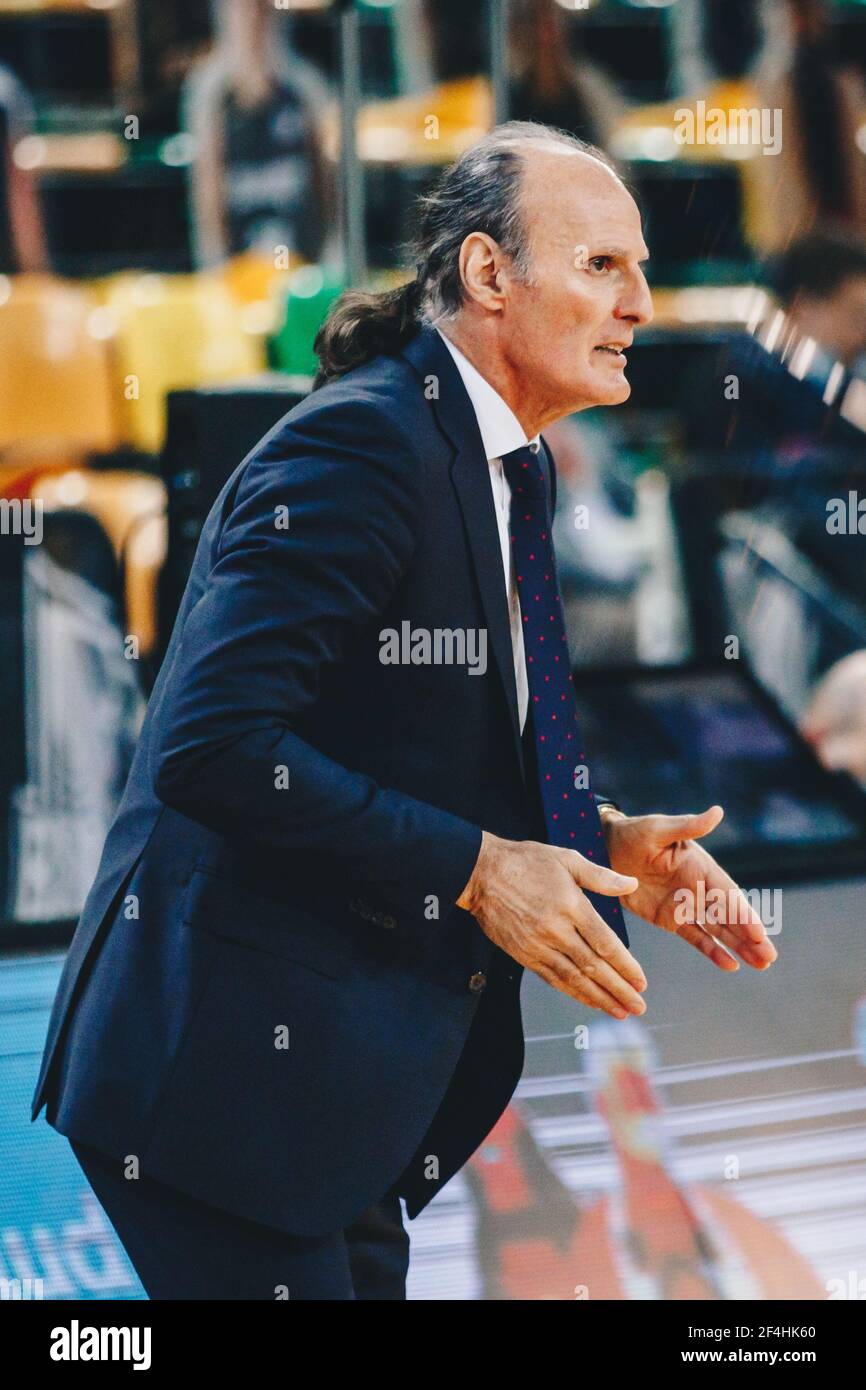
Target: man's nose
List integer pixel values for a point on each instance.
(637, 305)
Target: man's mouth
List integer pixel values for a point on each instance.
(616, 352)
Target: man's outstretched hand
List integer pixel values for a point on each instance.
(529, 899)
(676, 877)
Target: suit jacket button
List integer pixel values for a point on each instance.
(477, 982)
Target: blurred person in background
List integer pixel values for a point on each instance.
(820, 284)
(724, 40)
(252, 107)
(777, 418)
(459, 38)
(835, 721)
(22, 236)
(550, 83)
(819, 175)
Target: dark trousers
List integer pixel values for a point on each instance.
(185, 1249)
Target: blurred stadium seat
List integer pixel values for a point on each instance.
(432, 128)
(172, 331)
(311, 292)
(253, 278)
(55, 388)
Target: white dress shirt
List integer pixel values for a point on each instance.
(501, 431)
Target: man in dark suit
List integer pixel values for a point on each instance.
(292, 998)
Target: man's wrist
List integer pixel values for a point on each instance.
(469, 898)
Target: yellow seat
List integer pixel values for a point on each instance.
(651, 132)
(170, 332)
(55, 382)
(261, 288)
(252, 277)
(433, 128)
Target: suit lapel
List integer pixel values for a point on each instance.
(471, 480)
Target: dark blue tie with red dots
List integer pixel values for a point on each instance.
(570, 813)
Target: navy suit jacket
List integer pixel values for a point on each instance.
(270, 986)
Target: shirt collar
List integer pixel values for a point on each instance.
(501, 431)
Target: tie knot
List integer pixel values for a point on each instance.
(524, 471)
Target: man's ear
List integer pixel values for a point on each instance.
(481, 269)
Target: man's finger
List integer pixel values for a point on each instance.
(560, 973)
(596, 877)
(735, 911)
(598, 971)
(700, 938)
(711, 942)
(666, 829)
(758, 956)
(603, 941)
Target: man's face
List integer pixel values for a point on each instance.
(587, 294)
(837, 321)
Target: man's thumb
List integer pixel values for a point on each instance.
(596, 877)
(686, 827)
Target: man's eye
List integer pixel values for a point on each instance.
(600, 262)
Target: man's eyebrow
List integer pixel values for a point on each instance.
(622, 254)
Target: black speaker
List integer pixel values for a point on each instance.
(209, 431)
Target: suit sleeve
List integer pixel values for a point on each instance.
(322, 529)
